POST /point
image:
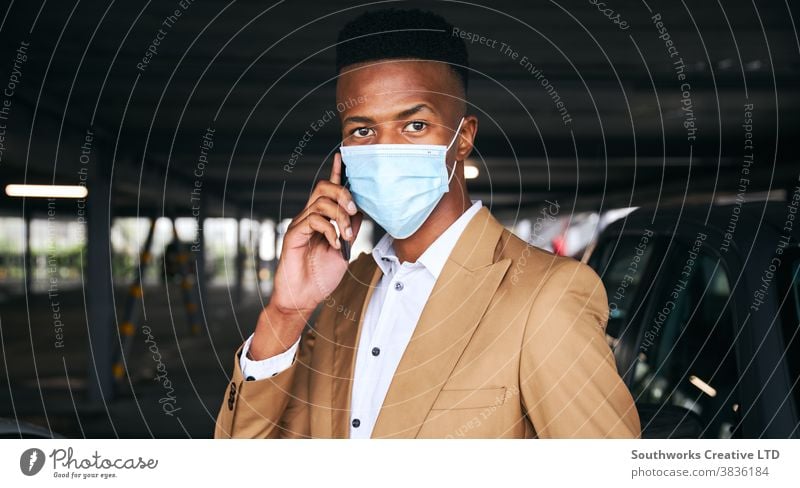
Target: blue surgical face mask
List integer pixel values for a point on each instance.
(398, 185)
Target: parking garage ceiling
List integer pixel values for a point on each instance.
(251, 77)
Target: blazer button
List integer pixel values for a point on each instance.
(232, 396)
(356, 423)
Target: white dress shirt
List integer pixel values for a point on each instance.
(389, 322)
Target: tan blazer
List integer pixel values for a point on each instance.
(511, 343)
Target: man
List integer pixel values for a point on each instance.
(452, 327)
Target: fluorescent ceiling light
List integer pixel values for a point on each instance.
(47, 191)
(470, 172)
(704, 387)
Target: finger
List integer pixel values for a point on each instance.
(317, 223)
(336, 171)
(338, 193)
(332, 210)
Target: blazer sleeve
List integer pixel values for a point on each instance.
(275, 407)
(569, 384)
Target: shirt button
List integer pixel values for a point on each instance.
(356, 423)
(250, 378)
(398, 286)
(376, 351)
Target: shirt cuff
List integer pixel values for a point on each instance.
(265, 368)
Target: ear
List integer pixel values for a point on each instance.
(466, 137)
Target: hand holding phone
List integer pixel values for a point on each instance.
(313, 262)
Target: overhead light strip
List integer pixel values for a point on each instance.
(47, 191)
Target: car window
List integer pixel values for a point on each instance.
(622, 266)
(686, 372)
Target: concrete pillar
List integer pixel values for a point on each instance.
(99, 284)
(199, 251)
(26, 257)
(237, 295)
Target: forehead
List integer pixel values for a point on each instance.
(385, 85)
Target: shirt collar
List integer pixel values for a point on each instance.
(436, 255)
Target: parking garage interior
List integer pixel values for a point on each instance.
(198, 130)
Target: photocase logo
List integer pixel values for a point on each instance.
(31, 461)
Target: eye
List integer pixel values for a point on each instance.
(415, 126)
(362, 132)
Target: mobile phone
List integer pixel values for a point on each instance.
(345, 248)
(344, 245)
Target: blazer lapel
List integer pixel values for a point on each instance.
(346, 331)
(458, 300)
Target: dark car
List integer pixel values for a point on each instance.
(704, 305)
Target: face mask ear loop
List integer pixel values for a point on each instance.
(455, 137)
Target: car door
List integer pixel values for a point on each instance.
(672, 332)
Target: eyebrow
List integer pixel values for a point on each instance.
(402, 115)
(413, 110)
(358, 119)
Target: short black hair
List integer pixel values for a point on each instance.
(395, 34)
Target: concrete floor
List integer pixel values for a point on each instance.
(46, 385)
